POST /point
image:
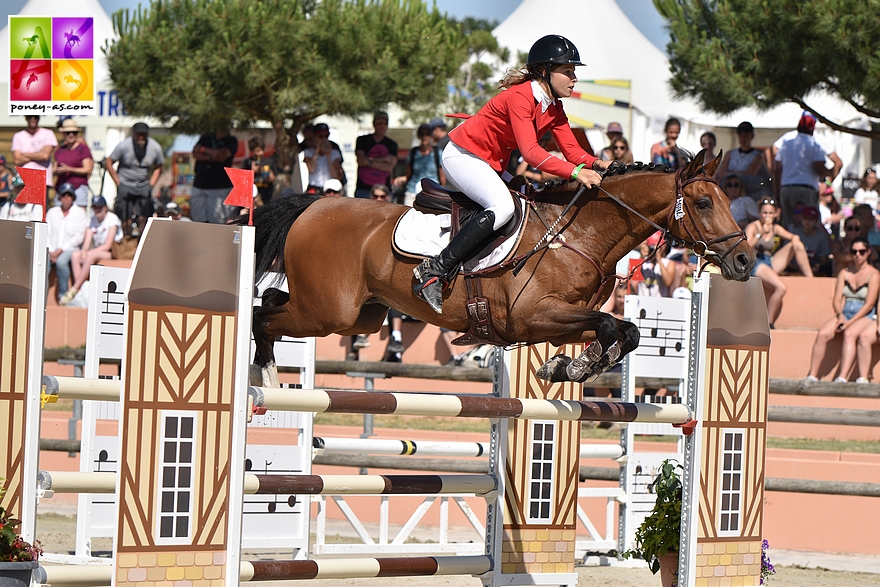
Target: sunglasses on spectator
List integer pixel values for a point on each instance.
(859, 251)
(619, 147)
(736, 184)
(770, 201)
(852, 228)
(72, 132)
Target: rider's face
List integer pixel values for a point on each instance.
(563, 79)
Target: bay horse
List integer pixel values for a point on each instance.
(343, 275)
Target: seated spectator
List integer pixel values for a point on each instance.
(324, 161)
(620, 151)
(5, 181)
(762, 237)
(659, 273)
(104, 229)
(869, 224)
(73, 162)
(852, 229)
(536, 176)
(708, 142)
(380, 192)
(816, 241)
(829, 210)
(854, 301)
(66, 226)
(423, 162)
(263, 168)
(12, 210)
(172, 211)
(332, 188)
(614, 132)
(748, 163)
(766, 236)
(742, 208)
(867, 192)
(667, 152)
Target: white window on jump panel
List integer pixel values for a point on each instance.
(732, 456)
(541, 475)
(176, 477)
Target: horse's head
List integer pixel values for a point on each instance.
(701, 218)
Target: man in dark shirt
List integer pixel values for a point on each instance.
(213, 153)
(376, 157)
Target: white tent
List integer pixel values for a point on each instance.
(613, 48)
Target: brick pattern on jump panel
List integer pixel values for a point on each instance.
(184, 569)
(537, 551)
(728, 564)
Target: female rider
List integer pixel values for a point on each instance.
(479, 150)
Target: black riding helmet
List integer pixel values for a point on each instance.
(551, 50)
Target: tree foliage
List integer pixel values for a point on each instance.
(730, 54)
(204, 64)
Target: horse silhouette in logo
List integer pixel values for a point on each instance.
(72, 80)
(72, 38)
(31, 41)
(33, 78)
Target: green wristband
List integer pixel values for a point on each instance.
(577, 170)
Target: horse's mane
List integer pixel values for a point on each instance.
(556, 186)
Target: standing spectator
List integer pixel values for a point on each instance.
(13, 210)
(855, 296)
(33, 147)
(324, 162)
(423, 162)
(376, 157)
(140, 162)
(666, 152)
(67, 226)
(73, 163)
(172, 211)
(263, 167)
(708, 142)
(743, 209)
(213, 153)
(439, 133)
(799, 166)
(816, 241)
(5, 181)
(614, 132)
(332, 188)
(867, 192)
(104, 229)
(748, 163)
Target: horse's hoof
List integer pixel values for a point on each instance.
(270, 376)
(255, 375)
(554, 370)
(583, 366)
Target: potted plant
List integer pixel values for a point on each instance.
(18, 558)
(657, 539)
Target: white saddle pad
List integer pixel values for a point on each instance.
(425, 235)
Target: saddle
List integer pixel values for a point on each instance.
(435, 199)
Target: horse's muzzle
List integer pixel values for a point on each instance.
(738, 265)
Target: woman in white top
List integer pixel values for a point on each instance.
(867, 192)
(748, 163)
(104, 229)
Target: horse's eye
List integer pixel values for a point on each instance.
(703, 204)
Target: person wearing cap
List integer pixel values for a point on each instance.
(213, 153)
(323, 161)
(614, 132)
(172, 211)
(139, 162)
(33, 147)
(423, 162)
(748, 163)
(799, 166)
(332, 188)
(480, 149)
(6, 176)
(868, 188)
(376, 157)
(439, 133)
(816, 241)
(73, 162)
(104, 229)
(13, 210)
(66, 224)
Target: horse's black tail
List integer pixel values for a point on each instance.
(272, 223)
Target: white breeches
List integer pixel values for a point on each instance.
(478, 181)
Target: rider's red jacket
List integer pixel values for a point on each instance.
(513, 120)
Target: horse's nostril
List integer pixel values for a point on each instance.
(742, 260)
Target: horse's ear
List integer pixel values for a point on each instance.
(712, 168)
(693, 168)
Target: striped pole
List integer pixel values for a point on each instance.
(463, 406)
(379, 446)
(84, 482)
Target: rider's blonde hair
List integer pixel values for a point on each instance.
(514, 77)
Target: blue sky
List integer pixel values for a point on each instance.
(641, 12)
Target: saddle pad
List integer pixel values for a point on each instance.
(424, 235)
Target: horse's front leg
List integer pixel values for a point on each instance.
(273, 301)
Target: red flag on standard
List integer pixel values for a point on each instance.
(242, 193)
(34, 191)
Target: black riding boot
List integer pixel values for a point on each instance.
(435, 273)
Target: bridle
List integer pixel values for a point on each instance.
(680, 210)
